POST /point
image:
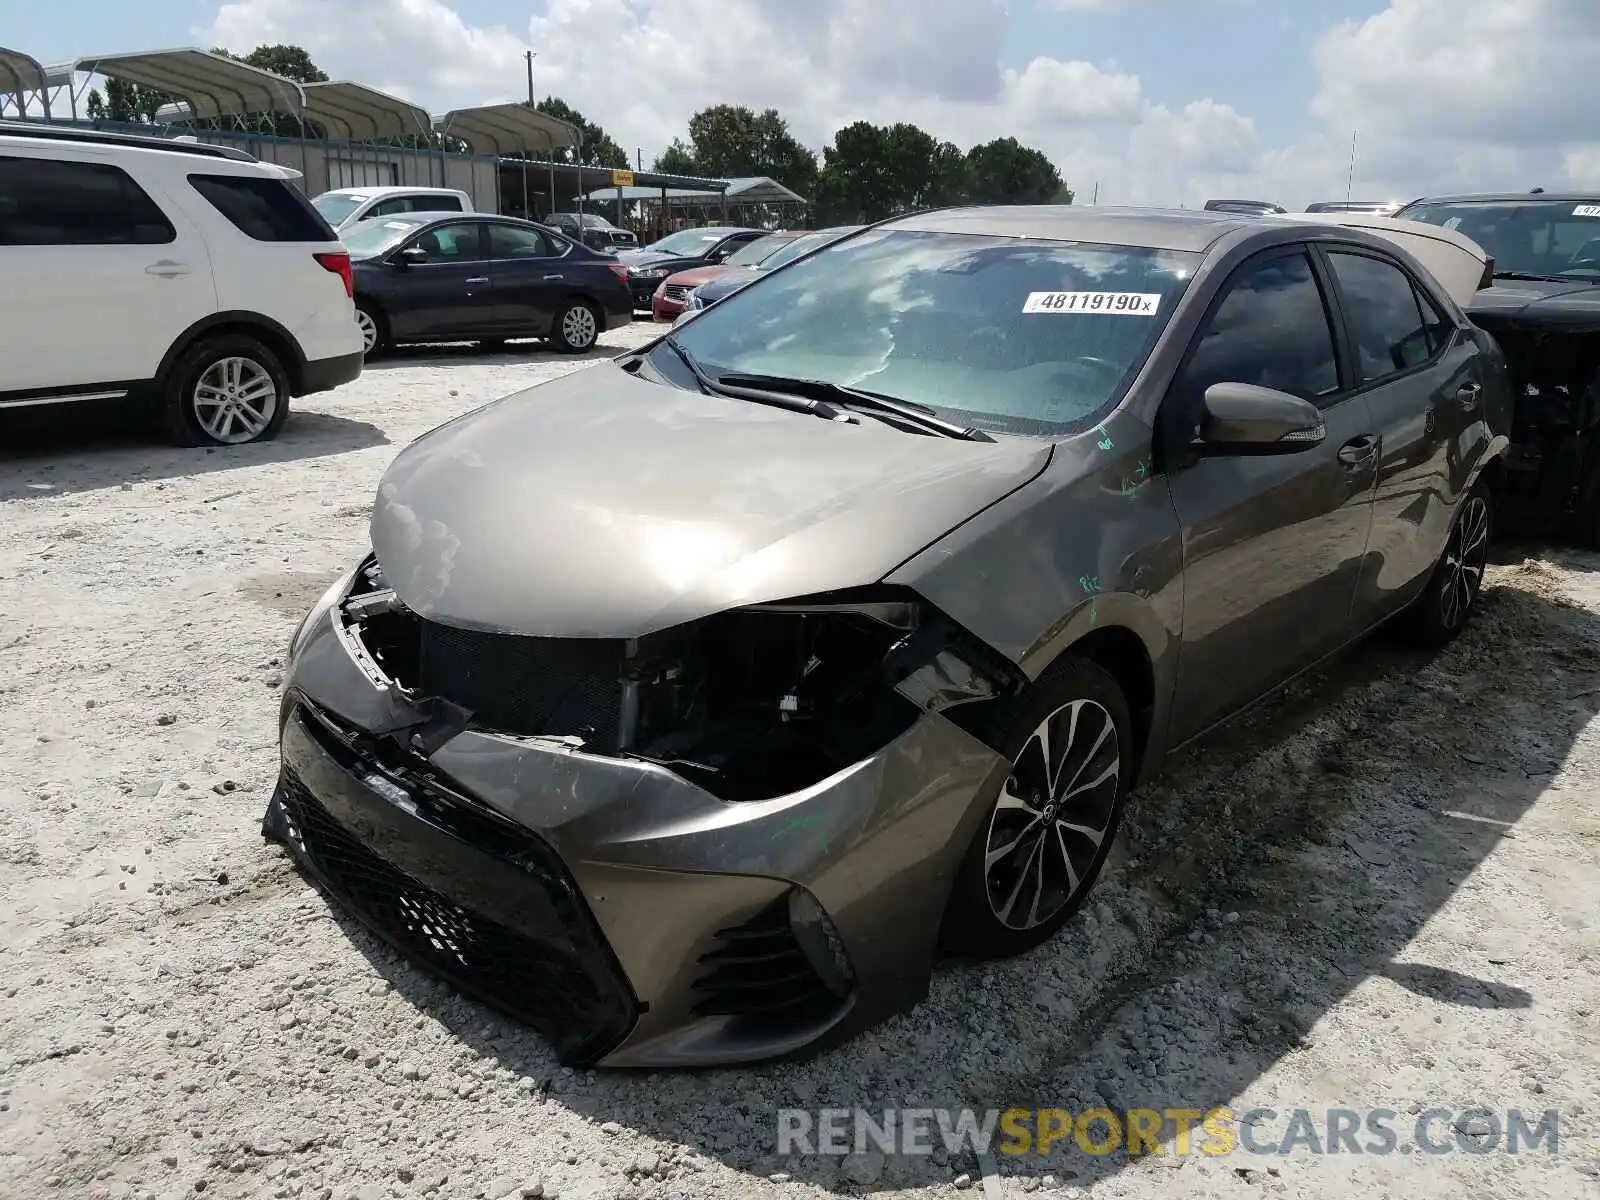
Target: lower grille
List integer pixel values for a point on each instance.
(557, 687)
(545, 983)
(759, 969)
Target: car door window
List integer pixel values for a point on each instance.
(1385, 315)
(453, 243)
(1440, 328)
(48, 202)
(511, 241)
(1270, 328)
(443, 204)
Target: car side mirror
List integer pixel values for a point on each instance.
(1246, 419)
(411, 255)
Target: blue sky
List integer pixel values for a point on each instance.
(1164, 101)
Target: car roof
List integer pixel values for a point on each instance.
(389, 189)
(1155, 228)
(1513, 198)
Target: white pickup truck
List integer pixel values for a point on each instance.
(343, 207)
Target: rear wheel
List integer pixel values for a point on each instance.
(1048, 831)
(225, 391)
(1446, 604)
(577, 328)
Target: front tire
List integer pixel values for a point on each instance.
(1046, 834)
(1442, 611)
(228, 390)
(577, 328)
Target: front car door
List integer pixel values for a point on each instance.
(1272, 546)
(1422, 379)
(528, 277)
(447, 294)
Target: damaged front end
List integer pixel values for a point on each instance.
(748, 704)
(719, 842)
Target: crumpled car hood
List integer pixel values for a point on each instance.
(601, 505)
(1557, 304)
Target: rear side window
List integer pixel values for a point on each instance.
(48, 202)
(268, 210)
(440, 204)
(1271, 329)
(1385, 314)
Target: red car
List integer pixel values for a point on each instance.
(667, 302)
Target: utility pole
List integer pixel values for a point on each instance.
(638, 158)
(530, 56)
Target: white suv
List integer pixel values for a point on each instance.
(190, 275)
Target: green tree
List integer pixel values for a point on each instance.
(126, 102)
(730, 140)
(598, 148)
(1006, 172)
(677, 159)
(871, 172)
(292, 62)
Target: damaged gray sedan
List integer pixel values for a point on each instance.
(689, 705)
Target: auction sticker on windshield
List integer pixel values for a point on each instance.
(1121, 304)
(1587, 210)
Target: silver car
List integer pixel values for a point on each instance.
(690, 705)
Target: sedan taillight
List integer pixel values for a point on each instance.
(338, 261)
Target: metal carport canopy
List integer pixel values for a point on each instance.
(507, 128)
(758, 189)
(21, 74)
(352, 112)
(630, 194)
(213, 86)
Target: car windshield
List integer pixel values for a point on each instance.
(1010, 335)
(688, 242)
(336, 207)
(794, 249)
(372, 238)
(759, 250)
(1557, 238)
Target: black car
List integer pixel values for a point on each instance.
(593, 230)
(1544, 309)
(445, 277)
(681, 251)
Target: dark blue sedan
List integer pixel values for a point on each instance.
(449, 277)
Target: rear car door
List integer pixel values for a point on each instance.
(1272, 546)
(528, 277)
(102, 274)
(448, 294)
(1422, 380)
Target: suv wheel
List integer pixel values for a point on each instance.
(577, 328)
(226, 391)
(1047, 832)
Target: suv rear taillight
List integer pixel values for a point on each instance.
(619, 270)
(338, 261)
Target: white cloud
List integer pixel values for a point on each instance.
(1447, 96)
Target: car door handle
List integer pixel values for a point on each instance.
(479, 279)
(555, 276)
(166, 268)
(1359, 451)
(1468, 395)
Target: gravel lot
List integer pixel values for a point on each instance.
(1380, 891)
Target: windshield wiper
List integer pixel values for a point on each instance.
(715, 387)
(918, 415)
(1529, 275)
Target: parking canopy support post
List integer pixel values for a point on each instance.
(551, 144)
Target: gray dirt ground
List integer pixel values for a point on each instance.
(1380, 891)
